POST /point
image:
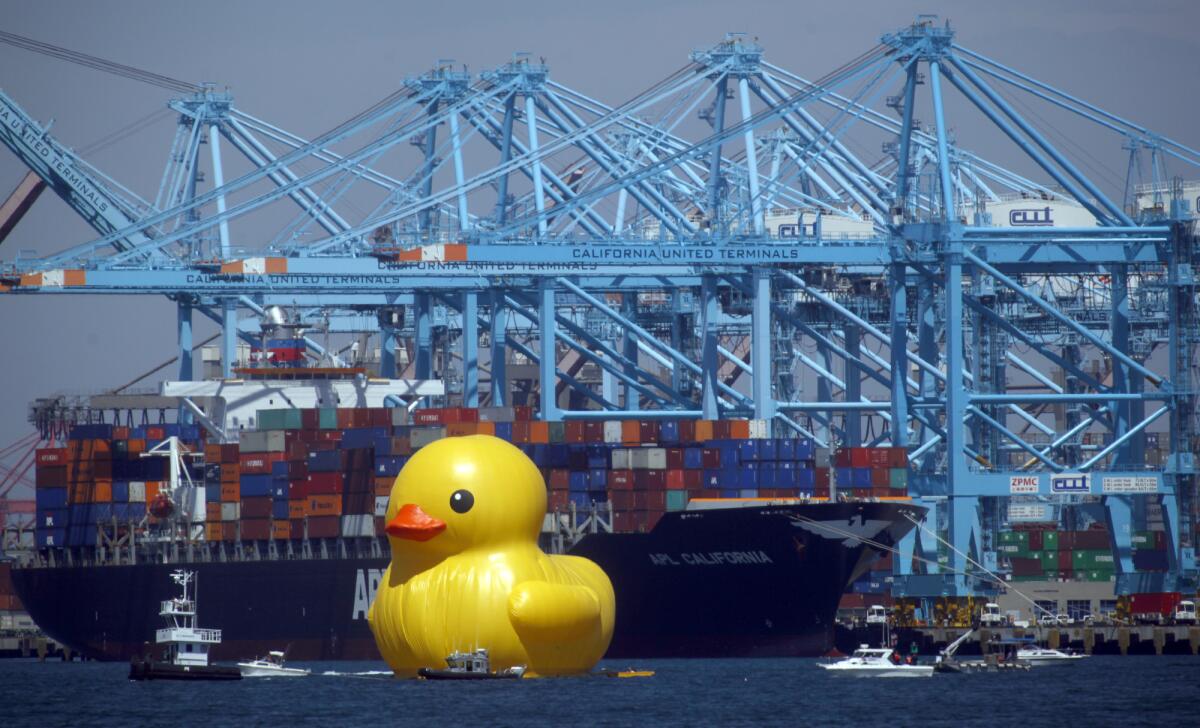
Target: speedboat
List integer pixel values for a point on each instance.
(270, 666)
(876, 662)
(1046, 656)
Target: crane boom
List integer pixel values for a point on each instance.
(64, 173)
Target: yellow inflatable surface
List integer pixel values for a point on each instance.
(466, 571)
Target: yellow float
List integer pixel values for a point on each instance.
(466, 571)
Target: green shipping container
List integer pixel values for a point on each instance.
(677, 500)
(1091, 559)
(899, 478)
(1008, 538)
(279, 419)
(1050, 540)
(327, 418)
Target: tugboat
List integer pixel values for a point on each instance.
(187, 646)
(470, 666)
(271, 666)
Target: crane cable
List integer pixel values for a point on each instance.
(99, 64)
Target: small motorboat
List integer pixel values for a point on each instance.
(471, 666)
(270, 666)
(1047, 656)
(626, 673)
(876, 662)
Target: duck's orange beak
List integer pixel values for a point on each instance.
(414, 524)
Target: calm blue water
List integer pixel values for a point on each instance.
(1104, 691)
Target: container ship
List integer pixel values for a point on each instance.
(719, 540)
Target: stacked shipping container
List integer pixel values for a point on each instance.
(98, 477)
(324, 473)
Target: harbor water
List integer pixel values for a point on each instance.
(1101, 691)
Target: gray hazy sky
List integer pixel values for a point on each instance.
(307, 65)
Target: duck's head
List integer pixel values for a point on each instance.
(465, 492)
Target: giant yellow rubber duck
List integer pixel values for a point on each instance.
(466, 571)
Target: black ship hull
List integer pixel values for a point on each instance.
(752, 581)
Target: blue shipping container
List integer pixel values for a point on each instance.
(254, 486)
(50, 498)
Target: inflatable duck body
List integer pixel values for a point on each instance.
(466, 571)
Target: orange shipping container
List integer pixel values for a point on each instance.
(230, 473)
(297, 508)
(230, 492)
(383, 486)
(103, 492)
(281, 529)
(120, 433)
(133, 447)
(631, 432)
(212, 531)
(324, 505)
(212, 511)
(212, 452)
(460, 429)
(539, 432)
(485, 428)
(739, 429)
(152, 488)
(704, 430)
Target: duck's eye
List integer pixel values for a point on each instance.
(461, 501)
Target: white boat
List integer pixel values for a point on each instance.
(1046, 656)
(875, 662)
(270, 666)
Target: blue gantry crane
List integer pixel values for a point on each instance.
(723, 244)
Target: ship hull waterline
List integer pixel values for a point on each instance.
(758, 581)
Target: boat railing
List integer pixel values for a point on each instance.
(186, 634)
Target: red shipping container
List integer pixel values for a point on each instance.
(622, 500)
(593, 432)
(1064, 560)
(326, 483)
(256, 529)
(821, 478)
(298, 489)
(650, 479)
(1154, 603)
(573, 432)
(121, 433)
(156, 433)
(328, 436)
(557, 500)
(256, 507)
(841, 458)
(50, 477)
(296, 451)
(324, 526)
(560, 479)
(522, 413)
(710, 458)
(624, 522)
(429, 416)
(675, 480)
(650, 500)
(879, 457)
(52, 456)
(860, 457)
(1036, 540)
(687, 431)
(897, 457)
(298, 470)
(259, 463)
(648, 431)
(310, 419)
(693, 479)
(709, 493)
(380, 417)
(520, 433)
(453, 415)
(720, 430)
(881, 477)
(620, 479)
(674, 458)
(229, 453)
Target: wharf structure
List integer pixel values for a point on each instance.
(735, 242)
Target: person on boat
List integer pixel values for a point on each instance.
(895, 658)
